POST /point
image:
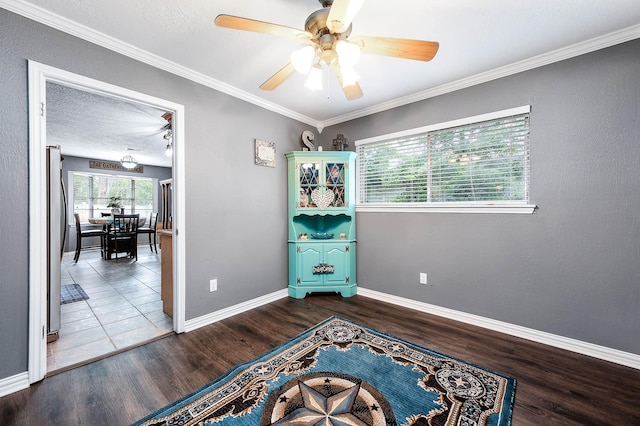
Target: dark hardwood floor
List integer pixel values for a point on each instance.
(554, 387)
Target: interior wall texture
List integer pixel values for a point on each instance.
(235, 224)
(573, 267)
(570, 269)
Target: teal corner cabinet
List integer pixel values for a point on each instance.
(322, 223)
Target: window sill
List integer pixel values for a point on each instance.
(447, 208)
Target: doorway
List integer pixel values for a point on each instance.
(39, 76)
(106, 305)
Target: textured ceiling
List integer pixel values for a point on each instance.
(479, 41)
(86, 124)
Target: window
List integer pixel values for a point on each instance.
(475, 164)
(90, 194)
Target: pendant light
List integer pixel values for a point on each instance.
(169, 138)
(128, 162)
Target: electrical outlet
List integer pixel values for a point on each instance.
(423, 277)
(213, 284)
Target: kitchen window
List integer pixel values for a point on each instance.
(477, 164)
(90, 194)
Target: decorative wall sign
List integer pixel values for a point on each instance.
(113, 166)
(265, 153)
(307, 138)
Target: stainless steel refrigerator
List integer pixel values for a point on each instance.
(56, 238)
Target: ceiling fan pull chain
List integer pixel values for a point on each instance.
(326, 76)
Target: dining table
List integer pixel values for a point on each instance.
(106, 220)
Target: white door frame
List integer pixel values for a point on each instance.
(39, 75)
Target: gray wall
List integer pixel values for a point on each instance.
(570, 269)
(573, 267)
(80, 164)
(235, 211)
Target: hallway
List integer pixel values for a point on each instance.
(123, 310)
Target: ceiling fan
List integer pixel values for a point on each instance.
(327, 43)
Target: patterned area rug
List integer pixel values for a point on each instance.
(72, 293)
(341, 373)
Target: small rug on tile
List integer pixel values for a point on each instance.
(72, 293)
(342, 373)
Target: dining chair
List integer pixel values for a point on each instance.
(122, 236)
(80, 234)
(151, 230)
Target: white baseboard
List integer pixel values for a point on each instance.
(14, 383)
(578, 346)
(601, 352)
(233, 310)
(20, 381)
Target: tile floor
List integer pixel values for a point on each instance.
(124, 307)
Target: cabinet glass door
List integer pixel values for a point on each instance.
(335, 181)
(322, 185)
(309, 175)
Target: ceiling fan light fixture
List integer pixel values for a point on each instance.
(349, 76)
(128, 162)
(348, 53)
(314, 81)
(342, 13)
(324, 32)
(302, 59)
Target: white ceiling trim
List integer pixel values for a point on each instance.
(71, 27)
(577, 49)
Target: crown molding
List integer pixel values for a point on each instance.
(73, 28)
(68, 26)
(588, 46)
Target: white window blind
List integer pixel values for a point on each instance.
(90, 194)
(476, 163)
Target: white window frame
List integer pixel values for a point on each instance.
(70, 195)
(521, 207)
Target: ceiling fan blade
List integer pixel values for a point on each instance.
(279, 77)
(352, 92)
(238, 23)
(418, 50)
(342, 13)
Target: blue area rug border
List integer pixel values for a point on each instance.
(511, 381)
(505, 413)
(234, 370)
(238, 367)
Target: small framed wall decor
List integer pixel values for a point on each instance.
(265, 153)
